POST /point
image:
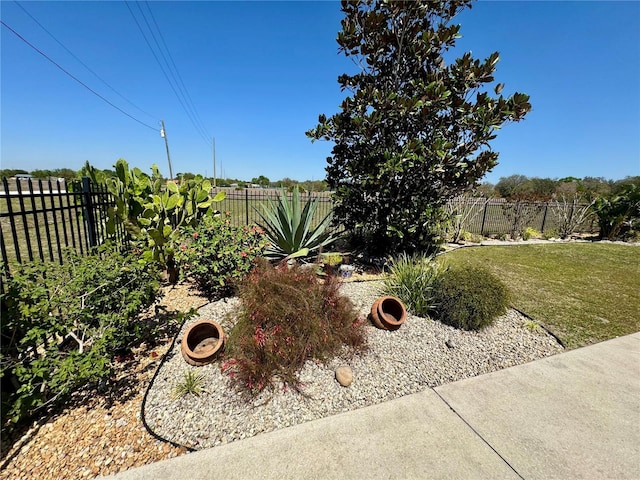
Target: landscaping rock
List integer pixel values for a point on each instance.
(450, 343)
(395, 364)
(344, 375)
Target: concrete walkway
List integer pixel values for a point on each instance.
(573, 415)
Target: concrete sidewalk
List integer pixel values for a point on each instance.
(573, 415)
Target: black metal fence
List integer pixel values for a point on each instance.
(490, 217)
(243, 205)
(39, 219)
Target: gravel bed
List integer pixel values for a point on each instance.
(421, 354)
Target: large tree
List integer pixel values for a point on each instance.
(413, 131)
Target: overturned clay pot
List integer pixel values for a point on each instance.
(392, 312)
(375, 317)
(202, 342)
(388, 313)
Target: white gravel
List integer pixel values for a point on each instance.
(398, 363)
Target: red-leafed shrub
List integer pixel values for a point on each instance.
(287, 317)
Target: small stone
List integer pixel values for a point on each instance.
(450, 343)
(344, 375)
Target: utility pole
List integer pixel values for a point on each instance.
(163, 134)
(214, 162)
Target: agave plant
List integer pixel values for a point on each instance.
(287, 225)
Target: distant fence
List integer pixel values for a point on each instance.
(497, 216)
(485, 217)
(39, 219)
(243, 205)
(42, 218)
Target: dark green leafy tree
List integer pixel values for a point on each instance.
(512, 186)
(10, 172)
(261, 180)
(413, 131)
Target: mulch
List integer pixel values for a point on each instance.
(100, 433)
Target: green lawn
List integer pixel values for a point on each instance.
(584, 293)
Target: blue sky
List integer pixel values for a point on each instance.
(259, 73)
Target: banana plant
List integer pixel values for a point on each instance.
(287, 225)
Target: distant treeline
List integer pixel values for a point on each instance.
(542, 189)
(262, 181)
(512, 187)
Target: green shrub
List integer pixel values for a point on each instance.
(218, 255)
(471, 237)
(62, 324)
(469, 298)
(288, 226)
(617, 213)
(287, 317)
(530, 233)
(411, 279)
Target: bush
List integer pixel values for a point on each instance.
(218, 255)
(530, 233)
(472, 237)
(411, 279)
(617, 214)
(469, 298)
(287, 317)
(62, 324)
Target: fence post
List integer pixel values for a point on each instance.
(573, 206)
(484, 217)
(87, 204)
(246, 205)
(544, 217)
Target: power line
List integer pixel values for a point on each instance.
(82, 63)
(182, 101)
(76, 79)
(184, 87)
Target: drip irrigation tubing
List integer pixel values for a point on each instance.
(153, 379)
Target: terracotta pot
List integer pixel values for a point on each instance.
(202, 342)
(391, 312)
(375, 317)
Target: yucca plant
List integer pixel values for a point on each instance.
(287, 225)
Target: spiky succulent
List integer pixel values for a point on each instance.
(288, 225)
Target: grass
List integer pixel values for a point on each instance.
(584, 293)
(240, 204)
(190, 385)
(411, 279)
(33, 228)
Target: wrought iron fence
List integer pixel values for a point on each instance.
(243, 205)
(497, 216)
(39, 219)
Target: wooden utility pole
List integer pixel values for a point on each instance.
(214, 162)
(163, 134)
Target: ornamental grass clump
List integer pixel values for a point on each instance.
(287, 317)
(469, 298)
(411, 279)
